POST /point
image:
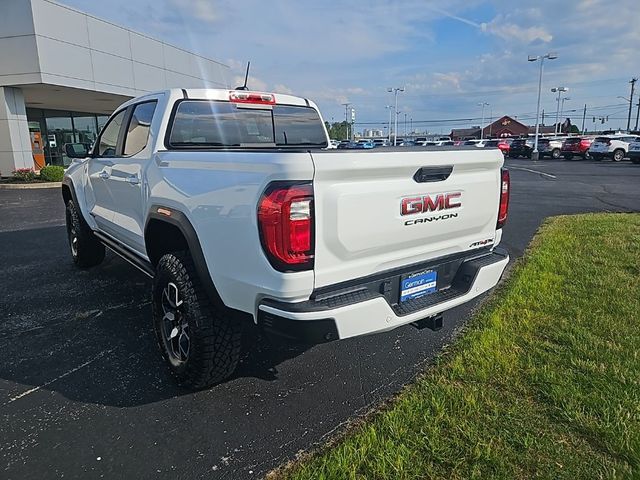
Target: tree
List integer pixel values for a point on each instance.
(339, 130)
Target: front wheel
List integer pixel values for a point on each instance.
(86, 249)
(555, 153)
(199, 341)
(618, 155)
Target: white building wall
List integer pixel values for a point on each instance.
(15, 142)
(44, 43)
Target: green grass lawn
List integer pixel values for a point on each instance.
(545, 383)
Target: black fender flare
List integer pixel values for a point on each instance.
(179, 220)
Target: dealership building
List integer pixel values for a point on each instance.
(62, 72)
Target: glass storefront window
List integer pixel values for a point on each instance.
(85, 128)
(59, 132)
(59, 127)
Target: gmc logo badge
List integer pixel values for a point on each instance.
(427, 203)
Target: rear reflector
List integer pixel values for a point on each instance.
(246, 97)
(505, 187)
(286, 224)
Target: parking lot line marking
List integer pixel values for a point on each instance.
(533, 171)
(73, 370)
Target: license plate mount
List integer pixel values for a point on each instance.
(417, 284)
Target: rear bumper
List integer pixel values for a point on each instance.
(361, 310)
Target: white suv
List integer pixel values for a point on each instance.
(634, 151)
(615, 147)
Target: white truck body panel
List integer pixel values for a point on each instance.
(359, 227)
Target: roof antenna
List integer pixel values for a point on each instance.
(246, 78)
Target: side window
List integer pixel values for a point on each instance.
(109, 136)
(139, 126)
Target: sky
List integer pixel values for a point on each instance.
(449, 56)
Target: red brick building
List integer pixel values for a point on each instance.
(503, 127)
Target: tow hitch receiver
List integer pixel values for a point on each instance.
(434, 323)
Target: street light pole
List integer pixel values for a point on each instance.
(482, 104)
(346, 117)
(390, 107)
(551, 56)
(560, 90)
(562, 112)
(395, 90)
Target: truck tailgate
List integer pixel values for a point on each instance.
(375, 211)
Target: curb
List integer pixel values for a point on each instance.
(29, 186)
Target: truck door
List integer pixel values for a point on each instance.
(98, 196)
(127, 182)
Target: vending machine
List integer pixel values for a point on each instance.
(37, 148)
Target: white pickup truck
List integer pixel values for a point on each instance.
(232, 203)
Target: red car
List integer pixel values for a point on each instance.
(504, 144)
(576, 147)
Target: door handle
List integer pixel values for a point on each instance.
(432, 174)
(104, 175)
(133, 180)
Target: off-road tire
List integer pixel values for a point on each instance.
(618, 155)
(214, 335)
(86, 249)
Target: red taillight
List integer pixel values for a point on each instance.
(285, 220)
(246, 97)
(505, 186)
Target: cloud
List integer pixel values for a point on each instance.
(203, 10)
(503, 28)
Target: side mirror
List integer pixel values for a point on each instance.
(76, 150)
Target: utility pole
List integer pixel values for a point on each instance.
(346, 117)
(390, 107)
(584, 116)
(405, 124)
(637, 115)
(633, 86)
(543, 117)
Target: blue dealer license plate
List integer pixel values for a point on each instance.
(417, 284)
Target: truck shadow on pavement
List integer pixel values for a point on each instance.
(87, 334)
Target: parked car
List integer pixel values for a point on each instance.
(576, 147)
(501, 143)
(475, 143)
(634, 151)
(303, 243)
(346, 144)
(381, 142)
(521, 147)
(614, 147)
(365, 144)
(333, 144)
(549, 147)
(407, 143)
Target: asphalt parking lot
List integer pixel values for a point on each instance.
(84, 393)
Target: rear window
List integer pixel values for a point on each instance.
(569, 141)
(602, 139)
(492, 143)
(205, 124)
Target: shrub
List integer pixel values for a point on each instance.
(52, 173)
(24, 174)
